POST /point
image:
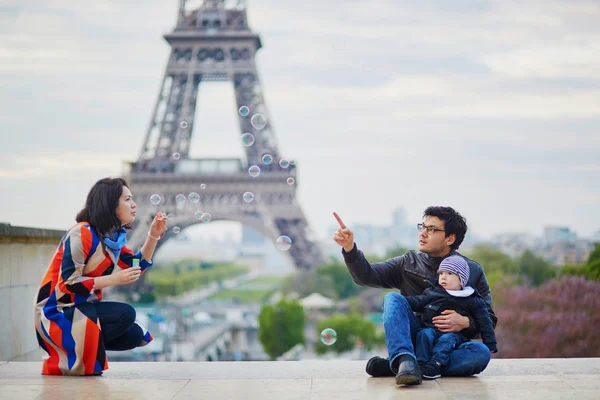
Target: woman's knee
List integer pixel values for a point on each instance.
(137, 334)
(127, 313)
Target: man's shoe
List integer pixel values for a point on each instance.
(431, 370)
(408, 371)
(378, 367)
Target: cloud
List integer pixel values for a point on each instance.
(574, 58)
(487, 105)
(53, 165)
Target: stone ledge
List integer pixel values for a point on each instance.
(309, 380)
(26, 232)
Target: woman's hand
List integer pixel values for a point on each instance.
(159, 225)
(126, 276)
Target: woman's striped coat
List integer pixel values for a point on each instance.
(65, 318)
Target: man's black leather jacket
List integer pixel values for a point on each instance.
(412, 273)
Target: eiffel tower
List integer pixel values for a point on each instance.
(213, 42)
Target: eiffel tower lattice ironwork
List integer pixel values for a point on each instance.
(213, 42)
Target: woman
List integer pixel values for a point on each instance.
(73, 325)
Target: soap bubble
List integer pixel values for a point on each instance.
(283, 243)
(202, 186)
(155, 199)
(198, 214)
(194, 197)
(176, 156)
(258, 121)
(328, 336)
(248, 197)
(205, 217)
(180, 199)
(247, 139)
(254, 171)
(183, 124)
(244, 111)
(176, 230)
(267, 159)
(290, 181)
(284, 163)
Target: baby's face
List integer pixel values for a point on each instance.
(449, 281)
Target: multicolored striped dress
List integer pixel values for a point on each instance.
(66, 323)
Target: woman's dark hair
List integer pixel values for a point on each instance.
(454, 223)
(101, 206)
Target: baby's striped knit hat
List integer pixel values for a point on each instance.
(458, 266)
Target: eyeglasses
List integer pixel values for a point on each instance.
(431, 230)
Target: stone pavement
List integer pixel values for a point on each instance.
(531, 379)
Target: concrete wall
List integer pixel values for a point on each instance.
(25, 254)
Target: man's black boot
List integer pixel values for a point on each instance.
(408, 371)
(378, 367)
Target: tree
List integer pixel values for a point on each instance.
(343, 284)
(535, 270)
(281, 327)
(357, 305)
(557, 319)
(306, 282)
(395, 252)
(349, 328)
(497, 265)
(595, 254)
(590, 270)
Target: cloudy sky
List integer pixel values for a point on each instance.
(492, 107)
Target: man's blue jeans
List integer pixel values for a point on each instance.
(401, 327)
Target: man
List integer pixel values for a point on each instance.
(440, 235)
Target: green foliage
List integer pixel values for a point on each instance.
(243, 296)
(349, 328)
(177, 280)
(535, 270)
(331, 280)
(274, 280)
(281, 327)
(256, 290)
(306, 282)
(395, 252)
(595, 254)
(357, 306)
(498, 266)
(590, 270)
(390, 253)
(343, 285)
(147, 298)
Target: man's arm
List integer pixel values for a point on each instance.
(386, 274)
(484, 322)
(484, 290)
